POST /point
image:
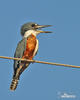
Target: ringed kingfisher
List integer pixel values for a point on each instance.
(27, 48)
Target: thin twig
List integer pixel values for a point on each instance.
(36, 61)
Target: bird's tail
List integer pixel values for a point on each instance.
(14, 84)
(15, 79)
(16, 76)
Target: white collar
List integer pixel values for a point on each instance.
(28, 33)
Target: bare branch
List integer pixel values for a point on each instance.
(36, 61)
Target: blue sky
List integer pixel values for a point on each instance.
(39, 81)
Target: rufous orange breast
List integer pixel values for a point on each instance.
(30, 47)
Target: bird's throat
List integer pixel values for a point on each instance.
(30, 32)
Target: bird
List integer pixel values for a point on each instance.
(27, 48)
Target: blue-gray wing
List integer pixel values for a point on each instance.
(21, 47)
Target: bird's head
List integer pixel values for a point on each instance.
(34, 28)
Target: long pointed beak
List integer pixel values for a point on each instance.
(42, 26)
(40, 31)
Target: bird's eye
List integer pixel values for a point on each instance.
(33, 25)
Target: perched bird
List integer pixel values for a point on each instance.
(26, 49)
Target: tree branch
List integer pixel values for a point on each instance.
(36, 61)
